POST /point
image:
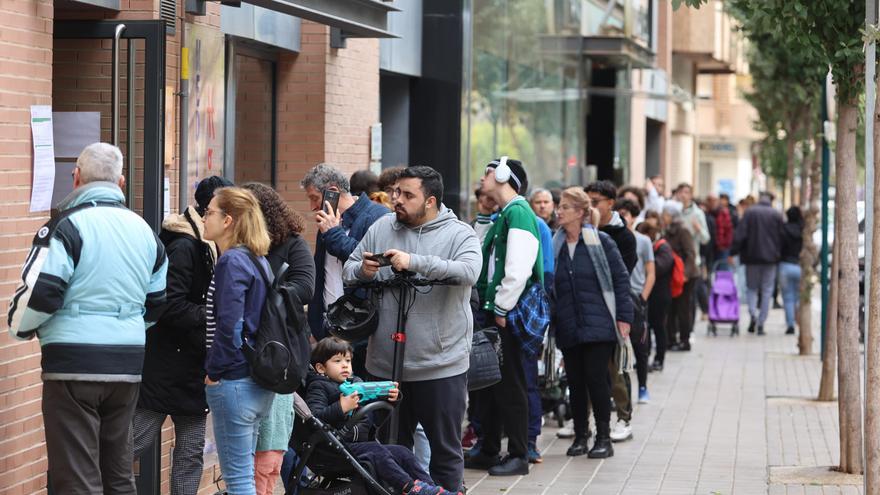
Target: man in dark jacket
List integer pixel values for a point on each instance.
(339, 233)
(758, 242)
(603, 195)
(174, 363)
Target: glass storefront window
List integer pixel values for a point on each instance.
(521, 102)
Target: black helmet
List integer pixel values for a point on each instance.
(352, 318)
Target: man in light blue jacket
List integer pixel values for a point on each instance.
(93, 282)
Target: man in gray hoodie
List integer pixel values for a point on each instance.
(426, 238)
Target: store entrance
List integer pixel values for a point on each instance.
(108, 81)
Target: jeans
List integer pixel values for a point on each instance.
(530, 365)
(760, 278)
(237, 407)
(422, 448)
(790, 275)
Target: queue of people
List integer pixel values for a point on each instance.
(615, 268)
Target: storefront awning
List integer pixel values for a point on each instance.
(611, 51)
(356, 18)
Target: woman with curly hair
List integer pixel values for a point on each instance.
(298, 283)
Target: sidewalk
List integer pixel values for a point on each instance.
(733, 416)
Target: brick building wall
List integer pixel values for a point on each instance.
(327, 100)
(25, 80)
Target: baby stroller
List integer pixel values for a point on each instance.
(319, 446)
(723, 299)
(553, 383)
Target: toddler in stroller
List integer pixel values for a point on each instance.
(394, 466)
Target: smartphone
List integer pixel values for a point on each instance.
(380, 258)
(333, 198)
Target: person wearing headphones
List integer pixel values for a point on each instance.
(512, 262)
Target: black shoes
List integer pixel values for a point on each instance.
(657, 366)
(685, 347)
(752, 327)
(510, 466)
(789, 331)
(760, 329)
(481, 461)
(674, 347)
(578, 447)
(601, 449)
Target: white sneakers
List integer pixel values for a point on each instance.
(621, 431)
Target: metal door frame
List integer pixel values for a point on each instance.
(153, 34)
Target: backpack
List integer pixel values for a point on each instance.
(677, 279)
(278, 352)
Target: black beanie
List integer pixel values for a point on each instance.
(517, 170)
(205, 191)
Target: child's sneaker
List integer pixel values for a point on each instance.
(423, 488)
(644, 397)
(534, 454)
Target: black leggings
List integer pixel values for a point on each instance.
(657, 309)
(586, 366)
(640, 337)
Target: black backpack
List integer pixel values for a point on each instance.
(278, 353)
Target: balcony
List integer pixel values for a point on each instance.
(611, 33)
(709, 38)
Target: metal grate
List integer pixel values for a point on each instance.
(168, 13)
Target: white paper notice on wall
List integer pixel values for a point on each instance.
(44, 158)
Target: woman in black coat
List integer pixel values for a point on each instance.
(173, 380)
(586, 331)
(297, 284)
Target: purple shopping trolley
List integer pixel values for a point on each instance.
(723, 299)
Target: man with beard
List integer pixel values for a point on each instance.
(426, 238)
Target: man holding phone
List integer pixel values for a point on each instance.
(342, 221)
(426, 238)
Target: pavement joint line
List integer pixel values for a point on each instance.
(511, 487)
(558, 474)
(647, 441)
(682, 424)
(590, 481)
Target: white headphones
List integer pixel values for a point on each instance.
(502, 171)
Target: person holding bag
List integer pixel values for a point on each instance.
(235, 303)
(592, 317)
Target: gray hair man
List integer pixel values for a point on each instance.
(93, 283)
(340, 229)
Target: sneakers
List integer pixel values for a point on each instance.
(567, 432)
(789, 331)
(510, 466)
(469, 438)
(534, 454)
(760, 329)
(657, 366)
(423, 488)
(621, 431)
(481, 461)
(644, 397)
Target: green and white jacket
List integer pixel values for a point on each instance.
(512, 259)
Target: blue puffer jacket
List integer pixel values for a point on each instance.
(580, 315)
(336, 242)
(93, 282)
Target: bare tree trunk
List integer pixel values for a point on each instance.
(872, 346)
(829, 362)
(809, 253)
(848, 372)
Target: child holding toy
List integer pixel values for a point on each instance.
(394, 465)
